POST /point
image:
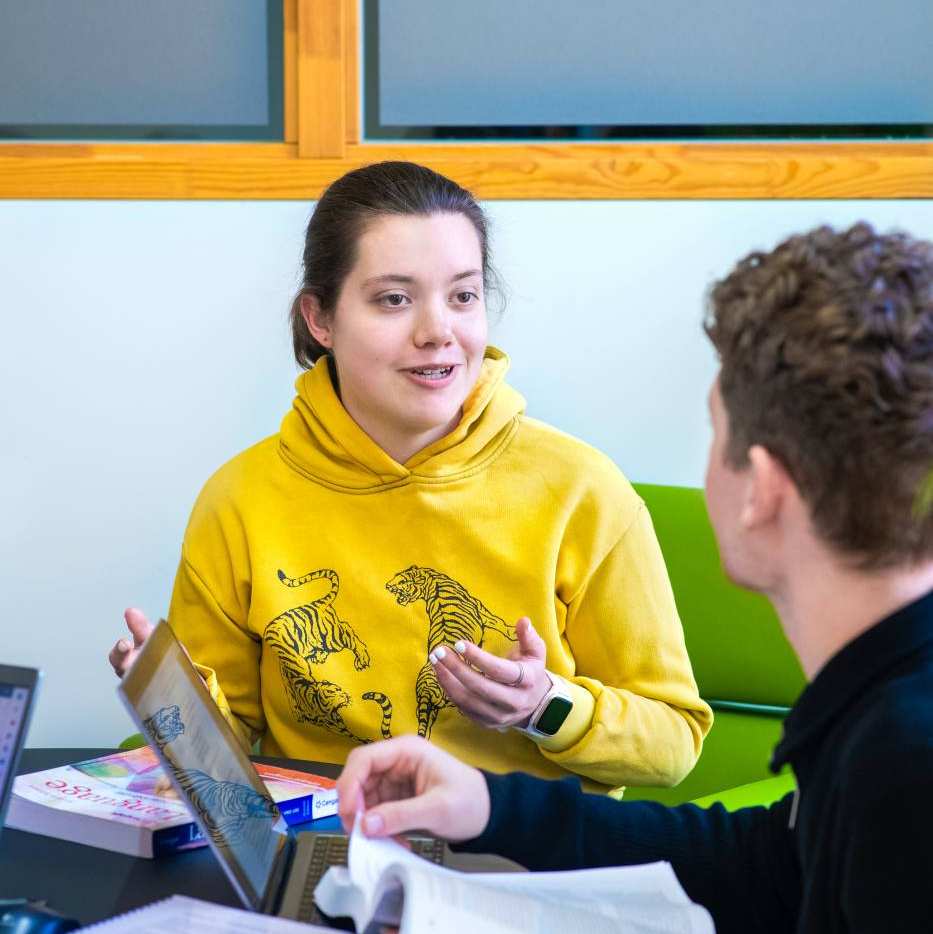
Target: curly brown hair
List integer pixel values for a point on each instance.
(826, 352)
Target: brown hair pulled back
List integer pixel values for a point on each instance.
(340, 218)
(826, 347)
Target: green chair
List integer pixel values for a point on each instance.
(766, 791)
(745, 669)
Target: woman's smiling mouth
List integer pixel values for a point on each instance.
(436, 375)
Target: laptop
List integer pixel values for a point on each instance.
(18, 689)
(273, 869)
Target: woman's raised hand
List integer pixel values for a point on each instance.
(405, 784)
(124, 652)
(495, 692)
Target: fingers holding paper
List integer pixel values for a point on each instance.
(406, 784)
(124, 652)
(495, 692)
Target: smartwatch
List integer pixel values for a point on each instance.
(550, 714)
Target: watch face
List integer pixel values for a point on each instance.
(553, 716)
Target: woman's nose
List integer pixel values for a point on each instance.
(433, 325)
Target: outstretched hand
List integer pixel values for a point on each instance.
(406, 784)
(495, 692)
(124, 652)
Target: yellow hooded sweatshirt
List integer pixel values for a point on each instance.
(317, 574)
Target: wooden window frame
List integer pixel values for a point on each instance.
(322, 140)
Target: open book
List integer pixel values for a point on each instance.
(385, 884)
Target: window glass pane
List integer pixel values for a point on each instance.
(141, 68)
(648, 67)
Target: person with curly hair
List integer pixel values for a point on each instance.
(820, 493)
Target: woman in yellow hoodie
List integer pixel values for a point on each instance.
(360, 573)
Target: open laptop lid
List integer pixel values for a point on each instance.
(18, 689)
(170, 704)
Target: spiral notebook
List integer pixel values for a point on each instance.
(180, 913)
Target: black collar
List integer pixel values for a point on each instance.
(845, 677)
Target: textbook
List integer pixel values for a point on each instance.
(125, 802)
(386, 884)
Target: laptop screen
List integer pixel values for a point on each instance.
(17, 692)
(171, 705)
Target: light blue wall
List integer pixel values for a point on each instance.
(145, 343)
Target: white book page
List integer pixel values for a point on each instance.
(180, 913)
(370, 890)
(642, 899)
(381, 869)
(457, 902)
(653, 879)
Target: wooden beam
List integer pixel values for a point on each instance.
(353, 41)
(290, 69)
(322, 124)
(569, 171)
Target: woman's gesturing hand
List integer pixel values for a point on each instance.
(405, 784)
(124, 652)
(496, 692)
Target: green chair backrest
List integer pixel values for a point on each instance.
(133, 742)
(734, 639)
(763, 792)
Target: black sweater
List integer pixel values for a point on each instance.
(854, 853)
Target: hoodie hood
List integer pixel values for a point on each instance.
(320, 439)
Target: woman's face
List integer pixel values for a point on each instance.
(409, 330)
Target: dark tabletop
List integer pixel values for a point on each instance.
(90, 884)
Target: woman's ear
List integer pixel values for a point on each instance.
(318, 323)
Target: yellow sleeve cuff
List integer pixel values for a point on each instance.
(223, 705)
(578, 720)
(210, 679)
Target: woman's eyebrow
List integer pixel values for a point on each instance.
(466, 275)
(389, 277)
(408, 280)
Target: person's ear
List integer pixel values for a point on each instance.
(318, 323)
(765, 488)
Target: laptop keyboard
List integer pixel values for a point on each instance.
(331, 850)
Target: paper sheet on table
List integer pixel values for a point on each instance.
(180, 913)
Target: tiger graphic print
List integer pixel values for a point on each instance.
(386, 706)
(314, 630)
(224, 807)
(453, 614)
(164, 725)
(306, 635)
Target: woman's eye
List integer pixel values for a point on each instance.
(394, 299)
(465, 298)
